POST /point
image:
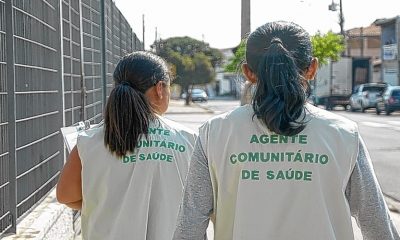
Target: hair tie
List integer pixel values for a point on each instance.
(277, 41)
(126, 83)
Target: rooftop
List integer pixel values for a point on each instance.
(384, 21)
(370, 31)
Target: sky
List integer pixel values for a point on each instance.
(217, 22)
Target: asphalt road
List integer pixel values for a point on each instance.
(382, 137)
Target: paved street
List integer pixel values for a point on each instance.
(380, 133)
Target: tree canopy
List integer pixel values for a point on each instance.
(192, 61)
(238, 58)
(325, 46)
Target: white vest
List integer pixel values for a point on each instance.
(268, 186)
(138, 196)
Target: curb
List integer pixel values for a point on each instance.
(393, 204)
(197, 112)
(194, 108)
(203, 107)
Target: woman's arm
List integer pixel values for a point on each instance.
(366, 201)
(197, 204)
(75, 205)
(69, 186)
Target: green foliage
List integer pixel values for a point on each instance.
(327, 46)
(192, 61)
(234, 64)
(202, 66)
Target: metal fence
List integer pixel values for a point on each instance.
(56, 63)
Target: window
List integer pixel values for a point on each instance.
(396, 93)
(373, 89)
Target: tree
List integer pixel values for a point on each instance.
(238, 58)
(193, 61)
(325, 46)
(202, 66)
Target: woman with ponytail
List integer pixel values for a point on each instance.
(126, 175)
(280, 168)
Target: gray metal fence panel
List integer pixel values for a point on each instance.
(5, 206)
(116, 34)
(110, 62)
(71, 25)
(51, 51)
(39, 155)
(92, 60)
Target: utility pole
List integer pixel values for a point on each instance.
(245, 20)
(341, 19)
(156, 42)
(362, 42)
(333, 7)
(143, 32)
(155, 39)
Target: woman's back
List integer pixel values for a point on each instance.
(267, 184)
(127, 174)
(136, 195)
(281, 169)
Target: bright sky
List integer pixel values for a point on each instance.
(218, 21)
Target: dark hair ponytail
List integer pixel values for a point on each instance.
(128, 113)
(127, 117)
(281, 90)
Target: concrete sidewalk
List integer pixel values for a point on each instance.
(179, 107)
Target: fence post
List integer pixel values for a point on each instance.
(103, 52)
(120, 35)
(83, 84)
(11, 113)
(61, 67)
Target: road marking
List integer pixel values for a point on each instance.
(375, 124)
(394, 122)
(391, 125)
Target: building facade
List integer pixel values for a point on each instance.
(227, 83)
(366, 42)
(390, 45)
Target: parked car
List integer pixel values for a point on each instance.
(198, 94)
(389, 101)
(364, 96)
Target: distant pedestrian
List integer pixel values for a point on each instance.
(127, 175)
(247, 93)
(281, 168)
